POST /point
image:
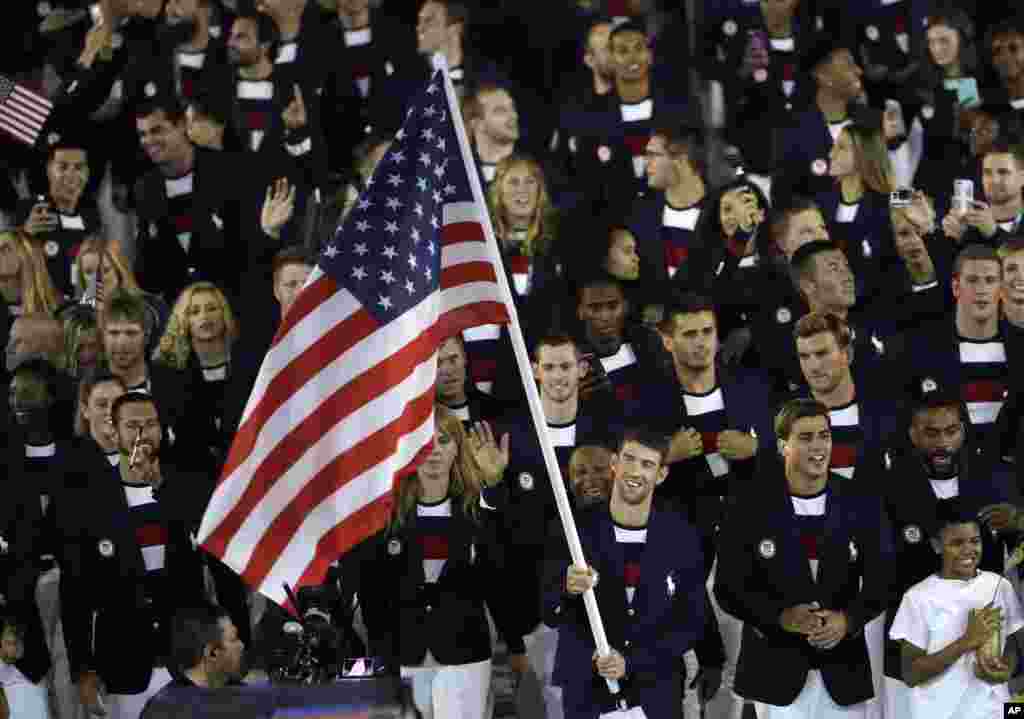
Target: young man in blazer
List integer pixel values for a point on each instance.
(803, 564)
(651, 594)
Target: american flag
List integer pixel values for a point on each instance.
(343, 405)
(22, 111)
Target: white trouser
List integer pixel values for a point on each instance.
(896, 698)
(541, 645)
(64, 700)
(130, 706)
(725, 704)
(813, 702)
(25, 700)
(450, 692)
(874, 636)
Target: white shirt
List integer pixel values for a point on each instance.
(932, 615)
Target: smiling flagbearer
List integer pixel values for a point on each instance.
(802, 561)
(647, 571)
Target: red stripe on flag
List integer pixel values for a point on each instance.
(983, 390)
(361, 457)
(308, 301)
(519, 264)
(329, 347)
(467, 272)
(356, 527)
(349, 398)
(474, 315)
(843, 455)
(462, 232)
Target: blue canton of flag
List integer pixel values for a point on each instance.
(388, 251)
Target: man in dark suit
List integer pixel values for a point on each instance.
(131, 562)
(802, 563)
(651, 594)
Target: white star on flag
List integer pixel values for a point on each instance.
(331, 251)
(362, 225)
(395, 180)
(360, 248)
(359, 273)
(391, 227)
(389, 252)
(387, 276)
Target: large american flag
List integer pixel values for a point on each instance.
(343, 405)
(23, 112)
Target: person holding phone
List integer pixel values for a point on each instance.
(992, 222)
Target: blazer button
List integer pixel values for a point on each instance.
(156, 625)
(631, 612)
(626, 643)
(430, 608)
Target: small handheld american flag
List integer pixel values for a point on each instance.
(23, 112)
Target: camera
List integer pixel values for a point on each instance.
(320, 645)
(903, 197)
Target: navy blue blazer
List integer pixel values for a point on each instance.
(665, 619)
(763, 570)
(802, 158)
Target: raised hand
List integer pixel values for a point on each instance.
(278, 206)
(490, 457)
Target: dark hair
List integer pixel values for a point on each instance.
(598, 278)
(212, 107)
(646, 438)
(458, 12)
(686, 304)
(133, 397)
(950, 16)
(976, 253)
(1003, 146)
(629, 26)
(554, 340)
(192, 630)
(126, 306)
(267, 31)
(169, 105)
(291, 255)
(42, 370)
(683, 141)
(802, 262)
(793, 411)
(1011, 246)
(16, 625)
(950, 513)
(1012, 25)
(778, 222)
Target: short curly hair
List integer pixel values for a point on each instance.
(176, 343)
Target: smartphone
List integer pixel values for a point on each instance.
(903, 197)
(963, 195)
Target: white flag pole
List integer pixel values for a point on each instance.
(525, 369)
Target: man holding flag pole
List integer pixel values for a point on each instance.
(343, 406)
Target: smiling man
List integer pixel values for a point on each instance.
(650, 590)
(943, 469)
(943, 622)
(802, 564)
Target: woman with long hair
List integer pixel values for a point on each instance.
(82, 346)
(25, 284)
(727, 260)
(199, 337)
(424, 582)
(859, 204)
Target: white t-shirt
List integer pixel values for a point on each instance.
(932, 615)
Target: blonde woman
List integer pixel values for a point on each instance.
(859, 204)
(425, 580)
(199, 336)
(82, 346)
(25, 284)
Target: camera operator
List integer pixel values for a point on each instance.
(205, 652)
